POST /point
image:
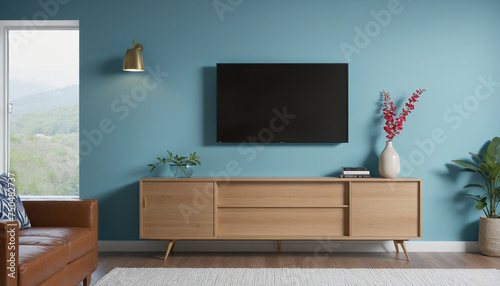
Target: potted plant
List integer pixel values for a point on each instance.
(180, 167)
(488, 167)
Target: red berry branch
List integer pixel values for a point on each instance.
(393, 125)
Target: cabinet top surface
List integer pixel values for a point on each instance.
(279, 179)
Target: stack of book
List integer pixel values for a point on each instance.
(355, 172)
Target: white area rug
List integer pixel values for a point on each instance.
(298, 276)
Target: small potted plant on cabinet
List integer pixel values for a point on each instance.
(180, 167)
(488, 167)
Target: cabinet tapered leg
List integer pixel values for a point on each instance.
(402, 243)
(279, 246)
(170, 248)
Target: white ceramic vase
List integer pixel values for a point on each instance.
(388, 163)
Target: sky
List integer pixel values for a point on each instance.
(49, 57)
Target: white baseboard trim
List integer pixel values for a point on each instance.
(287, 246)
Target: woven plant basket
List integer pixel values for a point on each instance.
(489, 236)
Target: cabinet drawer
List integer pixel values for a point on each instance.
(272, 222)
(172, 210)
(282, 194)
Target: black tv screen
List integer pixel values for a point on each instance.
(282, 103)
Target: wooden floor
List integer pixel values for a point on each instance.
(110, 260)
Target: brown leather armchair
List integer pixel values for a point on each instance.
(59, 249)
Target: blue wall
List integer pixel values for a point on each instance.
(448, 47)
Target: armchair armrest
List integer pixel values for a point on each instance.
(62, 213)
(9, 252)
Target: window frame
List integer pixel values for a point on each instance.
(5, 27)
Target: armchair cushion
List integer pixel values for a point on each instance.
(11, 207)
(39, 262)
(79, 240)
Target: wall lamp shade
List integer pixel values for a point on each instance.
(133, 59)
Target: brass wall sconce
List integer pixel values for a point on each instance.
(133, 59)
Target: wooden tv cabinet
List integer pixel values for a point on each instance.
(281, 209)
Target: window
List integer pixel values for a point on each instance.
(41, 105)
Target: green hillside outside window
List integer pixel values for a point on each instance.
(43, 81)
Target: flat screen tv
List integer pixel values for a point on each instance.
(282, 103)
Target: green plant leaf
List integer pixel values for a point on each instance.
(478, 157)
(477, 198)
(474, 186)
(466, 165)
(192, 156)
(492, 151)
(494, 173)
(481, 205)
(485, 168)
(497, 192)
(467, 170)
